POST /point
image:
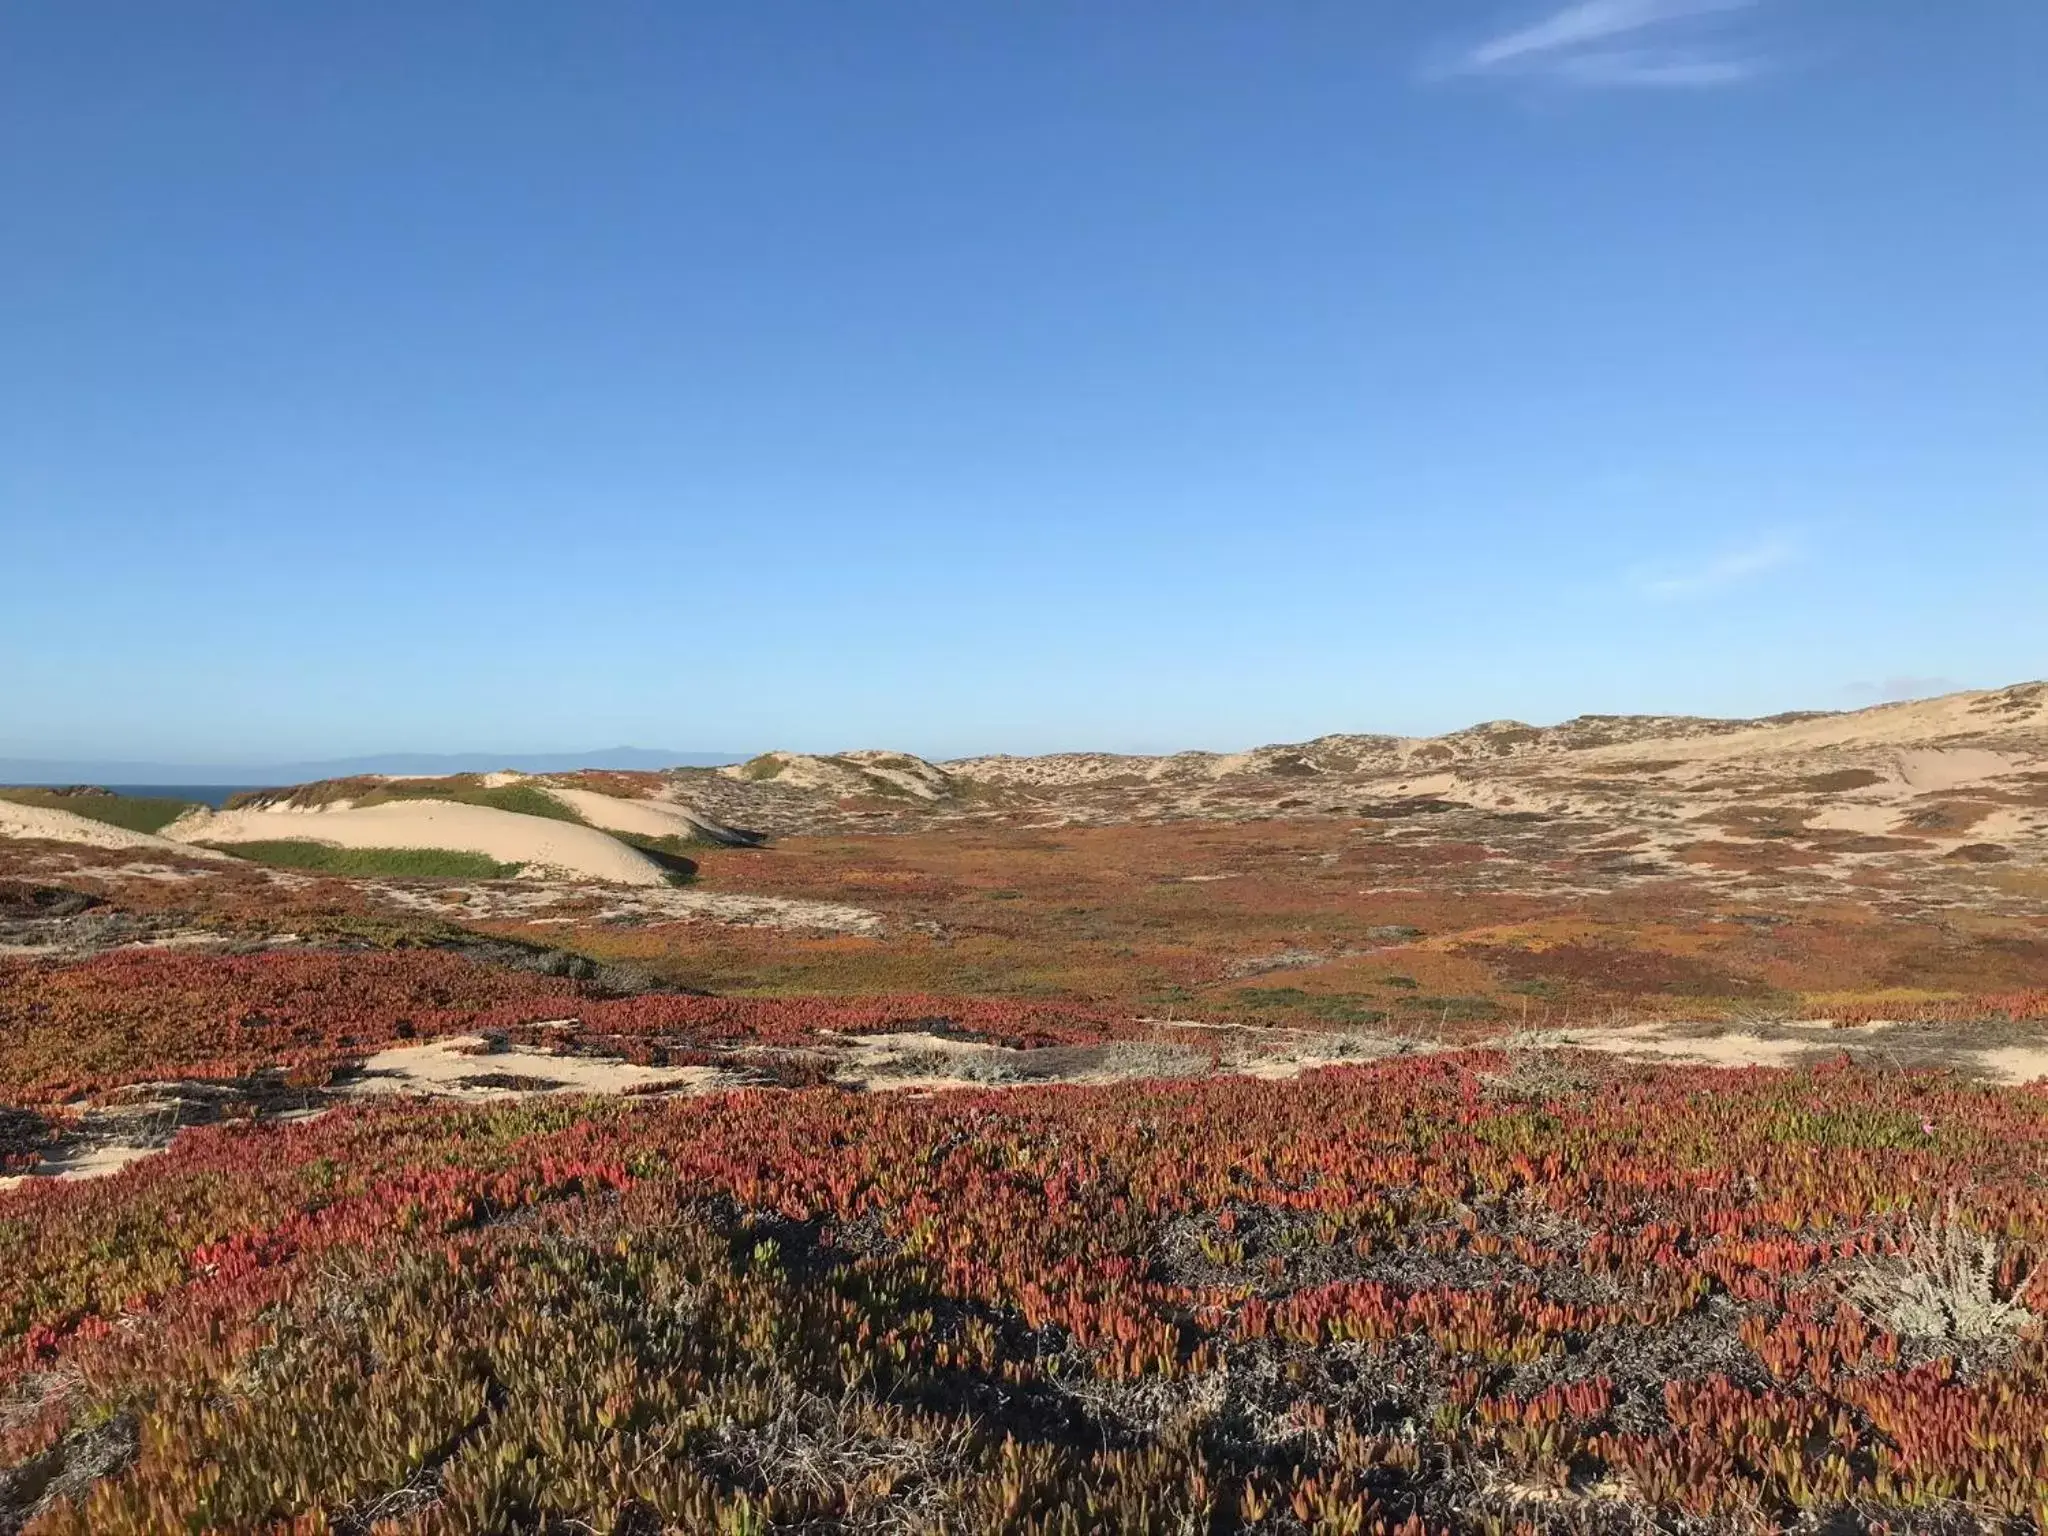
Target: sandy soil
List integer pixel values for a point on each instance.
(544, 846)
(1790, 1044)
(1865, 816)
(1908, 726)
(536, 902)
(80, 1162)
(645, 818)
(36, 821)
(920, 1062)
(866, 772)
(458, 1068)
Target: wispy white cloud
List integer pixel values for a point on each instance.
(1644, 44)
(1719, 574)
(1893, 690)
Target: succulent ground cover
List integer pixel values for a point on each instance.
(399, 863)
(1332, 921)
(137, 813)
(780, 1282)
(1304, 922)
(1444, 1294)
(151, 1015)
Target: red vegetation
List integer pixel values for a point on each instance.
(146, 1015)
(1377, 1295)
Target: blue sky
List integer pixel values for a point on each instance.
(963, 375)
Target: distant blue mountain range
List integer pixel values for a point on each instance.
(36, 770)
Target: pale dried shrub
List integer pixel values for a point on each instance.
(1539, 1075)
(1942, 1286)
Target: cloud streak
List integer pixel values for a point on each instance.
(1895, 690)
(1640, 44)
(1733, 569)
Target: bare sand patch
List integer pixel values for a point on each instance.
(1870, 817)
(471, 1068)
(2017, 1063)
(559, 903)
(52, 825)
(643, 818)
(80, 1161)
(1659, 1041)
(537, 842)
(465, 1067)
(1935, 770)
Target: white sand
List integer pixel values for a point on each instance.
(38, 821)
(1653, 1041)
(1906, 726)
(544, 846)
(535, 902)
(853, 773)
(1873, 818)
(645, 818)
(2016, 1063)
(80, 1162)
(438, 1069)
(1935, 771)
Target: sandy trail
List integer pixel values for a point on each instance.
(542, 845)
(470, 1069)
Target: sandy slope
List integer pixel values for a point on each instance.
(2019, 714)
(646, 818)
(65, 827)
(506, 836)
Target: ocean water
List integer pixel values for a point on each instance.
(206, 794)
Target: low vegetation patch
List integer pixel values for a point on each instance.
(1382, 1300)
(524, 799)
(457, 788)
(671, 852)
(136, 813)
(393, 863)
(143, 1014)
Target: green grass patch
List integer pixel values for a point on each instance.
(457, 788)
(1324, 1007)
(135, 813)
(524, 799)
(1457, 1010)
(399, 863)
(671, 852)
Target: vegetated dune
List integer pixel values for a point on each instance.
(862, 773)
(647, 818)
(1870, 772)
(36, 821)
(541, 844)
(1949, 724)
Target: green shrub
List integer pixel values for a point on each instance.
(1325, 1007)
(403, 863)
(672, 853)
(135, 813)
(524, 799)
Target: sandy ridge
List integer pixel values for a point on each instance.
(37, 821)
(542, 845)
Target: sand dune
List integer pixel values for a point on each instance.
(66, 827)
(542, 845)
(2018, 713)
(644, 818)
